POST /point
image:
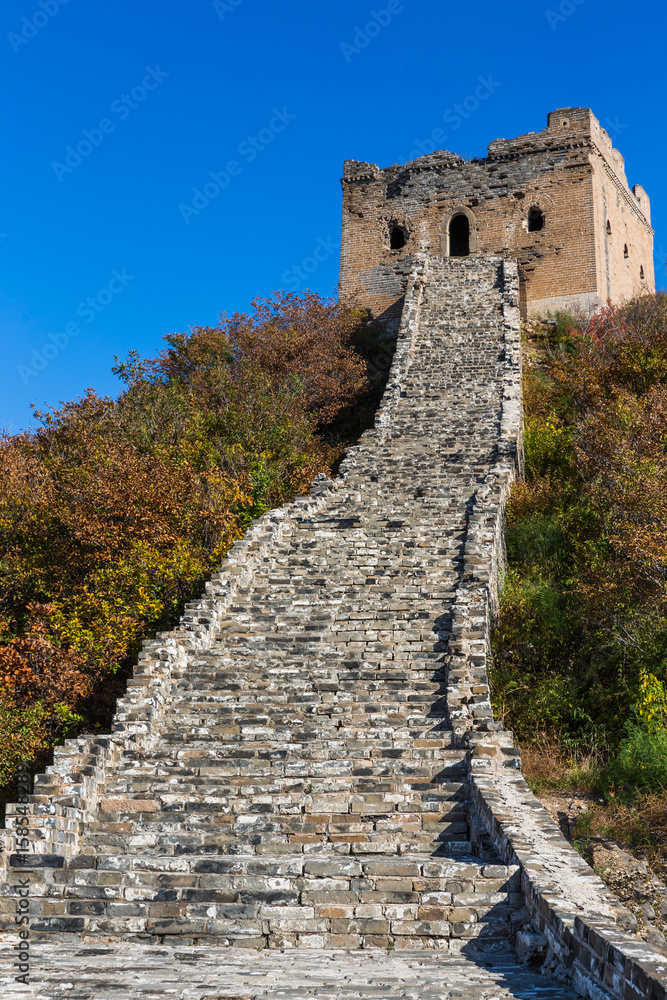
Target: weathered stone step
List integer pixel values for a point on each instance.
(283, 729)
(183, 844)
(331, 713)
(136, 972)
(345, 738)
(416, 796)
(178, 784)
(276, 901)
(242, 825)
(296, 759)
(345, 793)
(285, 817)
(335, 692)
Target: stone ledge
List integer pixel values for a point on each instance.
(585, 928)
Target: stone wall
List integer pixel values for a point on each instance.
(387, 584)
(575, 929)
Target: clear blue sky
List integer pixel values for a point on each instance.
(171, 92)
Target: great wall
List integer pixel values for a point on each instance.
(305, 792)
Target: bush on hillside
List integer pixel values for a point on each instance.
(584, 615)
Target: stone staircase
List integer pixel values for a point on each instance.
(303, 789)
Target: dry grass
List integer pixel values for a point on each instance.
(640, 823)
(549, 764)
(637, 823)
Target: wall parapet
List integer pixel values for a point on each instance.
(575, 929)
(483, 559)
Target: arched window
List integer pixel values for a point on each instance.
(608, 228)
(535, 220)
(641, 272)
(397, 239)
(626, 252)
(459, 236)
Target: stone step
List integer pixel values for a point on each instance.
(327, 693)
(321, 731)
(186, 844)
(397, 767)
(240, 826)
(276, 900)
(205, 736)
(447, 969)
(175, 809)
(288, 726)
(371, 740)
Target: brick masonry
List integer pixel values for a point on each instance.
(595, 244)
(310, 761)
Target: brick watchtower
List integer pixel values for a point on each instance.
(556, 201)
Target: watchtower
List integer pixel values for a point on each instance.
(556, 201)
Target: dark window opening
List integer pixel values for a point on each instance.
(641, 272)
(397, 238)
(459, 236)
(626, 253)
(608, 228)
(535, 220)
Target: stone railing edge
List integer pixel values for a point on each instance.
(405, 343)
(575, 928)
(483, 557)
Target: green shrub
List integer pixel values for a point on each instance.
(640, 762)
